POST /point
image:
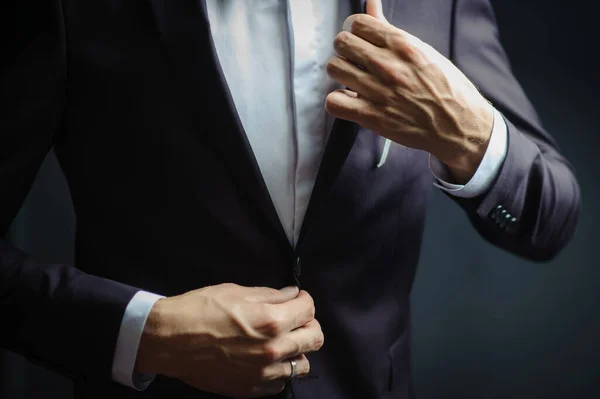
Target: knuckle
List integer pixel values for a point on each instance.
(296, 347)
(409, 48)
(319, 341)
(310, 305)
(315, 324)
(359, 23)
(272, 328)
(333, 66)
(228, 286)
(307, 295)
(412, 53)
(270, 325)
(269, 293)
(397, 41)
(249, 332)
(306, 369)
(341, 40)
(331, 103)
(271, 353)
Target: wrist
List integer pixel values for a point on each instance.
(152, 350)
(464, 168)
(475, 140)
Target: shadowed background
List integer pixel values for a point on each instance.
(485, 323)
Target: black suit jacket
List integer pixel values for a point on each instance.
(168, 196)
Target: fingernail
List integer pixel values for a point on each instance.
(347, 25)
(292, 289)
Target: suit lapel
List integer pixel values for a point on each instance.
(185, 31)
(341, 139)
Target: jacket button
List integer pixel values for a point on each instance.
(495, 212)
(503, 222)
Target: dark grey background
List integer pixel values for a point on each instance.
(485, 323)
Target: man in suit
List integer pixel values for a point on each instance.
(222, 209)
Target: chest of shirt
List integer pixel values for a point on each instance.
(144, 62)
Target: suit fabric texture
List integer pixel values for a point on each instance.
(168, 196)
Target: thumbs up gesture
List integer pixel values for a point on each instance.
(403, 89)
(375, 9)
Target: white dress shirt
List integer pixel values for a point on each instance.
(273, 54)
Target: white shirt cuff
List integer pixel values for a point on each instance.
(130, 333)
(488, 169)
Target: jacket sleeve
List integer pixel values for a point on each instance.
(53, 314)
(533, 206)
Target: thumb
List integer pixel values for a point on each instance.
(375, 9)
(271, 295)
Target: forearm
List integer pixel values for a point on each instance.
(58, 316)
(533, 207)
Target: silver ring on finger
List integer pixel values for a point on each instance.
(293, 364)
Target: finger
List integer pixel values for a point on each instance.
(356, 79)
(282, 370)
(386, 36)
(271, 295)
(359, 51)
(374, 8)
(380, 119)
(293, 314)
(343, 104)
(306, 339)
(302, 366)
(368, 28)
(270, 320)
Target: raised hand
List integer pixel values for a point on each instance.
(406, 91)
